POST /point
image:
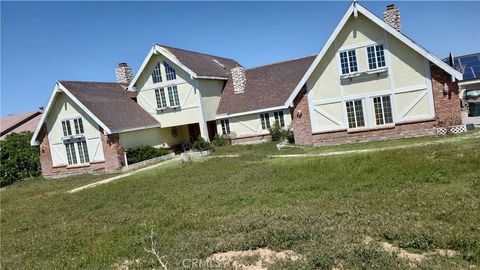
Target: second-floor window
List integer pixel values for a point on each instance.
(157, 74)
(279, 118)
(355, 115)
(265, 121)
(173, 96)
(170, 72)
(376, 56)
(160, 97)
(383, 110)
(348, 61)
(225, 126)
(67, 127)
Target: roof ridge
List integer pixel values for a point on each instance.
(282, 62)
(206, 54)
(60, 81)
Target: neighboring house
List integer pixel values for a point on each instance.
(15, 123)
(368, 82)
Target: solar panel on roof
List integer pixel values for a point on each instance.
(469, 66)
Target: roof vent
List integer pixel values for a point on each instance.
(218, 63)
(391, 16)
(123, 73)
(239, 80)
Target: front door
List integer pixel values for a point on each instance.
(193, 131)
(212, 129)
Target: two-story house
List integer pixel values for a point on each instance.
(369, 81)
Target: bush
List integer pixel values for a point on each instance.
(221, 140)
(18, 159)
(144, 152)
(278, 133)
(201, 145)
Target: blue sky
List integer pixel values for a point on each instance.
(42, 42)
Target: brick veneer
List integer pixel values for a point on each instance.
(112, 150)
(301, 127)
(448, 111)
(251, 139)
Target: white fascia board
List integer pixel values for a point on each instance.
(469, 82)
(135, 129)
(212, 78)
(320, 55)
(85, 109)
(356, 7)
(159, 49)
(55, 91)
(223, 116)
(142, 67)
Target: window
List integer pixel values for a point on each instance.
(170, 72)
(160, 97)
(67, 130)
(157, 74)
(225, 126)
(355, 114)
(376, 56)
(173, 96)
(265, 120)
(279, 118)
(348, 62)
(383, 110)
(72, 158)
(78, 126)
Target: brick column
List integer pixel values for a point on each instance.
(301, 125)
(113, 152)
(447, 105)
(45, 153)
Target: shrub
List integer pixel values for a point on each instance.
(201, 145)
(144, 152)
(221, 140)
(18, 159)
(278, 133)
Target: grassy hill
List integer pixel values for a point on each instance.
(419, 199)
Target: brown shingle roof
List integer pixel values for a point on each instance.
(267, 86)
(19, 122)
(203, 64)
(111, 104)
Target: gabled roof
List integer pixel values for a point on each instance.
(108, 104)
(198, 65)
(19, 122)
(353, 10)
(266, 87)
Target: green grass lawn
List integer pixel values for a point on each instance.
(419, 198)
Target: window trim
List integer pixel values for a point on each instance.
(265, 121)
(169, 70)
(281, 118)
(349, 66)
(161, 97)
(225, 124)
(383, 111)
(375, 45)
(364, 114)
(157, 69)
(74, 153)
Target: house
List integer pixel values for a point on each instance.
(368, 82)
(15, 123)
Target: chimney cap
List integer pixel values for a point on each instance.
(122, 65)
(391, 6)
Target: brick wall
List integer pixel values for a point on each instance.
(113, 152)
(397, 132)
(447, 105)
(301, 125)
(251, 139)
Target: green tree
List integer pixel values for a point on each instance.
(18, 159)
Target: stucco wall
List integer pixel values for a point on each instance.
(64, 108)
(250, 124)
(210, 91)
(159, 137)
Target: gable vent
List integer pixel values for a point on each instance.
(239, 80)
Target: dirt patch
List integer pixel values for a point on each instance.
(258, 259)
(414, 258)
(126, 264)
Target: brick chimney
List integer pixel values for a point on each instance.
(123, 73)
(239, 80)
(391, 15)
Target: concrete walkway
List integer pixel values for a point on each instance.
(111, 179)
(337, 153)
